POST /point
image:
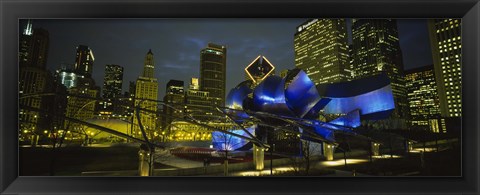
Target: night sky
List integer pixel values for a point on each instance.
(176, 44)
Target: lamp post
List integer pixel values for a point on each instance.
(271, 159)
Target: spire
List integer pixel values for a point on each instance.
(28, 28)
(149, 65)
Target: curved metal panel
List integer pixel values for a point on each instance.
(223, 141)
(236, 98)
(269, 96)
(375, 101)
(301, 94)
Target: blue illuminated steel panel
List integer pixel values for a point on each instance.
(375, 101)
(223, 141)
(300, 93)
(235, 99)
(269, 96)
(352, 119)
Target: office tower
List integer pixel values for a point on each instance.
(321, 50)
(81, 105)
(66, 77)
(351, 61)
(197, 102)
(259, 69)
(422, 95)
(175, 98)
(25, 41)
(82, 98)
(175, 87)
(113, 81)
(146, 95)
(194, 84)
(445, 41)
(123, 107)
(213, 62)
(39, 48)
(83, 66)
(33, 47)
(84, 61)
(32, 80)
(376, 49)
(112, 89)
(129, 99)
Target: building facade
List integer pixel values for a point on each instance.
(376, 49)
(445, 41)
(321, 50)
(33, 46)
(39, 48)
(213, 64)
(422, 95)
(25, 41)
(84, 61)
(33, 79)
(197, 102)
(175, 98)
(66, 77)
(112, 89)
(146, 95)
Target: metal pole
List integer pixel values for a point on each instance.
(271, 160)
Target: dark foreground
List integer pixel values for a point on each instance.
(72, 161)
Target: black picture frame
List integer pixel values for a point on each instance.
(11, 11)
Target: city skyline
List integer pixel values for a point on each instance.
(346, 78)
(176, 44)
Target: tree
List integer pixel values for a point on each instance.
(301, 164)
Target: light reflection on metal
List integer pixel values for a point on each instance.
(301, 94)
(372, 96)
(223, 141)
(236, 97)
(351, 119)
(269, 96)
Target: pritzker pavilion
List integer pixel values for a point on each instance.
(295, 104)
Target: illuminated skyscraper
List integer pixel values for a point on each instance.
(80, 105)
(445, 40)
(33, 79)
(25, 41)
(321, 50)
(213, 64)
(112, 88)
(146, 95)
(66, 77)
(33, 47)
(422, 95)
(376, 49)
(39, 48)
(113, 81)
(197, 102)
(84, 61)
(175, 97)
(194, 84)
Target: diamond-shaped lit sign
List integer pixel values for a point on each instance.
(259, 69)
